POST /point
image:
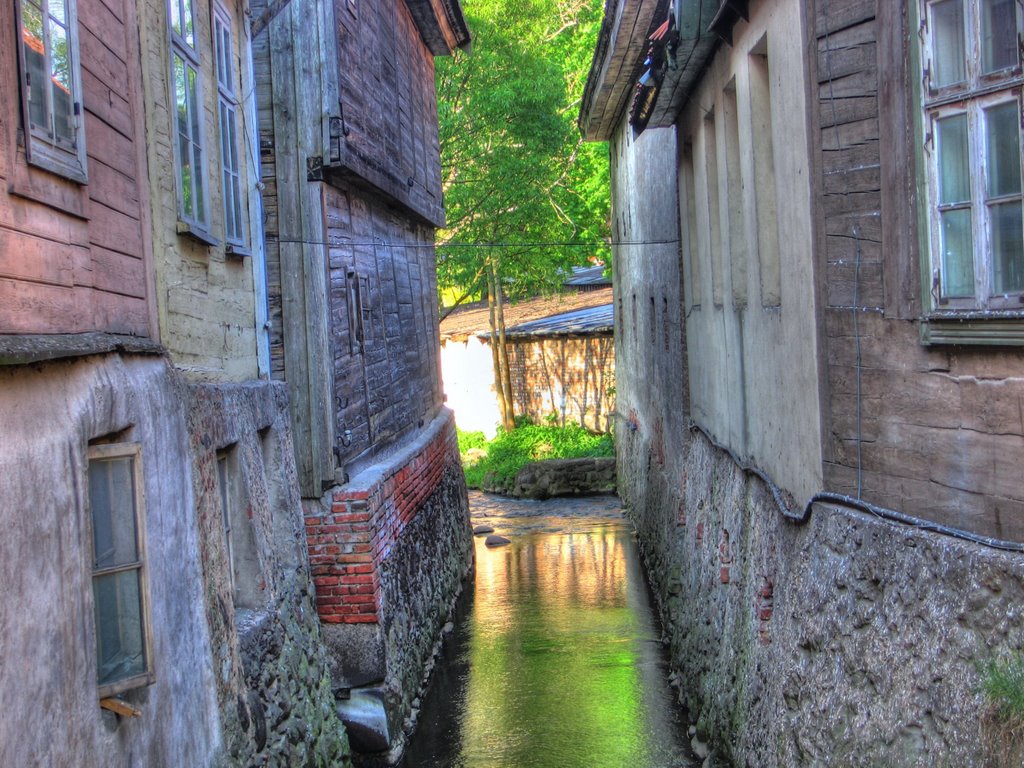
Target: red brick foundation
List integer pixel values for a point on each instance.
(348, 546)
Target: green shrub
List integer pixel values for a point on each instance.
(1002, 721)
(510, 451)
(1003, 685)
(470, 440)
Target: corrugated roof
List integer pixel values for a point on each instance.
(589, 320)
(588, 276)
(473, 319)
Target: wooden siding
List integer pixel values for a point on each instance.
(390, 384)
(74, 258)
(388, 103)
(292, 89)
(349, 402)
(933, 431)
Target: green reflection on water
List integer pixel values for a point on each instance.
(555, 656)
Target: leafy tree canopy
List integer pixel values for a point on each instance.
(515, 169)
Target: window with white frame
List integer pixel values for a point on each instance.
(972, 125)
(186, 77)
(51, 86)
(116, 502)
(227, 108)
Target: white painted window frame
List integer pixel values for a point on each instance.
(234, 198)
(42, 149)
(972, 97)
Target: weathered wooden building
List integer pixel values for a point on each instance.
(159, 602)
(821, 201)
(561, 358)
(350, 160)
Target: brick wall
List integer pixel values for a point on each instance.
(573, 378)
(349, 544)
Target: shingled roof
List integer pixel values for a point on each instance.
(473, 319)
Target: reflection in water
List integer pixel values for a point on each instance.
(555, 662)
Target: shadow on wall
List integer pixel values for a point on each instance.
(566, 378)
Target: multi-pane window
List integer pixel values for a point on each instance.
(118, 568)
(188, 128)
(972, 122)
(51, 85)
(227, 104)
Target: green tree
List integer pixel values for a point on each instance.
(514, 167)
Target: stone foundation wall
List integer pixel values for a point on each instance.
(847, 641)
(273, 681)
(557, 477)
(389, 552)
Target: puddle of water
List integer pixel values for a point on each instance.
(556, 660)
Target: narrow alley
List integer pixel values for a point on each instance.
(555, 658)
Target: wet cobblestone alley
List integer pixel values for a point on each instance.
(556, 659)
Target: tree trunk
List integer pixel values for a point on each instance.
(504, 406)
(506, 370)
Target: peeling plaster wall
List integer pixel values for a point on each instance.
(273, 680)
(241, 671)
(48, 413)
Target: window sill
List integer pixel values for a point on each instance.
(238, 252)
(200, 235)
(998, 329)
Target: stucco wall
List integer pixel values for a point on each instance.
(48, 413)
(205, 298)
(469, 385)
(273, 682)
(849, 641)
(753, 358)
(241, 671)
(652, 388)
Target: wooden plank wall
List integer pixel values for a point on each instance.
(938, 431)
(75, 258)
(290, 87)
(391, 384)
(386, 83)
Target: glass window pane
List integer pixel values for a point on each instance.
(180, 96)
(35, 63)
(948, 49)
(60, 86)
(112, 502)
(59, 61)
(233, 140)
(1007, 222)
(957, 253)
(998, 34)
(58, 11)
(200, 200)
(120, 650)
(1002, 140)
(954, 159)
(186, 25)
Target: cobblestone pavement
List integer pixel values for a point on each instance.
(516, 516)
